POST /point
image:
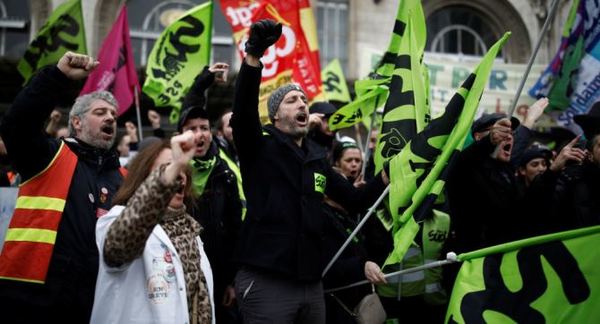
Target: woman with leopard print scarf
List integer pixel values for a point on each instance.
(153, 268)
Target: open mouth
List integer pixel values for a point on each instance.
(507, 148)
(107, 129)
(302, 118)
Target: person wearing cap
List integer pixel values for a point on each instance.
(318, 125)
(534, 161)
(482, 189)
(220, 201)
(286, 176)
(49, 260)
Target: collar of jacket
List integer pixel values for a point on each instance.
(313, 150)
(96, 156)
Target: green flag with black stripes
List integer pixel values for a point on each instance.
(387, 80)
(62, 32)
(177, 57)
(552, 278)
(406, 109)
(419, 171)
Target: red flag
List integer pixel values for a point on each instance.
(116, 71)
(295, 56)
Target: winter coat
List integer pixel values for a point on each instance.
(284, 185)
(73, 268)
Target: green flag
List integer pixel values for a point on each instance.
(374, 92)
(546, 279)
(334, 82)
(406, 110)
(180, 53)
(418, 172)
(62, 32)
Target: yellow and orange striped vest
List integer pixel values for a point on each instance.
(32, 231)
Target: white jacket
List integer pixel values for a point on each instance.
(151, 289)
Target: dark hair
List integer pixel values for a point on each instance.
(218, 125)
(139, 169)
(340, 148)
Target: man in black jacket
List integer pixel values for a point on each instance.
(219, 204)
(65, 293)
(285, 179)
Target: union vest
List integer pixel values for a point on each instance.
(32, 231)
(424, 282)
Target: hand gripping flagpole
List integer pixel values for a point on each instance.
(358, 227)
(450, 258)
(533, 55)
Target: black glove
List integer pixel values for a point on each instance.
(263, 34)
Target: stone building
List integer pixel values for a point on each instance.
(355, 31)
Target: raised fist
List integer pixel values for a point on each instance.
(76, 66)
(263, 34)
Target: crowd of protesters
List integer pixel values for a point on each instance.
(231, 221)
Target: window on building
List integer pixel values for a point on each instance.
(459, 30)
(332, 29)
(148, 18)
(14, 28)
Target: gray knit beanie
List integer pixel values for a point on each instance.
(277, 96)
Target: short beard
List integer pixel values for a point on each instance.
(96, 141)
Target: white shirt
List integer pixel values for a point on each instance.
(151, 289)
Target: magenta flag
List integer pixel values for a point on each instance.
(116, 71)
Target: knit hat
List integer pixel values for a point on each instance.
(277, 97)
(590, 122)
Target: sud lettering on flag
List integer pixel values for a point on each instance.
(64, 31)
(177, 57)
(552, 278)
(294, 57)
(116, 71)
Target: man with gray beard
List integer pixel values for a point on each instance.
(49, 261)
(286, 177)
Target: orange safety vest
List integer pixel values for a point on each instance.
(32, 231)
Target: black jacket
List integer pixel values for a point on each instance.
(74, 265)
(483, 198)
(283, 230)
(219, 211)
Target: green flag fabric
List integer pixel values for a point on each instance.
(177, 57)
(546, 279)
(375, 92)
(334, 82)
(64, 31)
(406, 110)
(418, 172)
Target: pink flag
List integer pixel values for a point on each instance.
(116, 71)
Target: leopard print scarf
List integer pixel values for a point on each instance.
(183, 230)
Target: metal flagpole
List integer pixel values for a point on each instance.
(137, 111)
(533, 55)
(450, 258)
(358, 227)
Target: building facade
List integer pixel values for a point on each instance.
(354, 31)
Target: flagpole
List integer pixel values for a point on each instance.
(533, 55)
(358, 227)
(450, 258)
(367, 151)
(137, 112)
